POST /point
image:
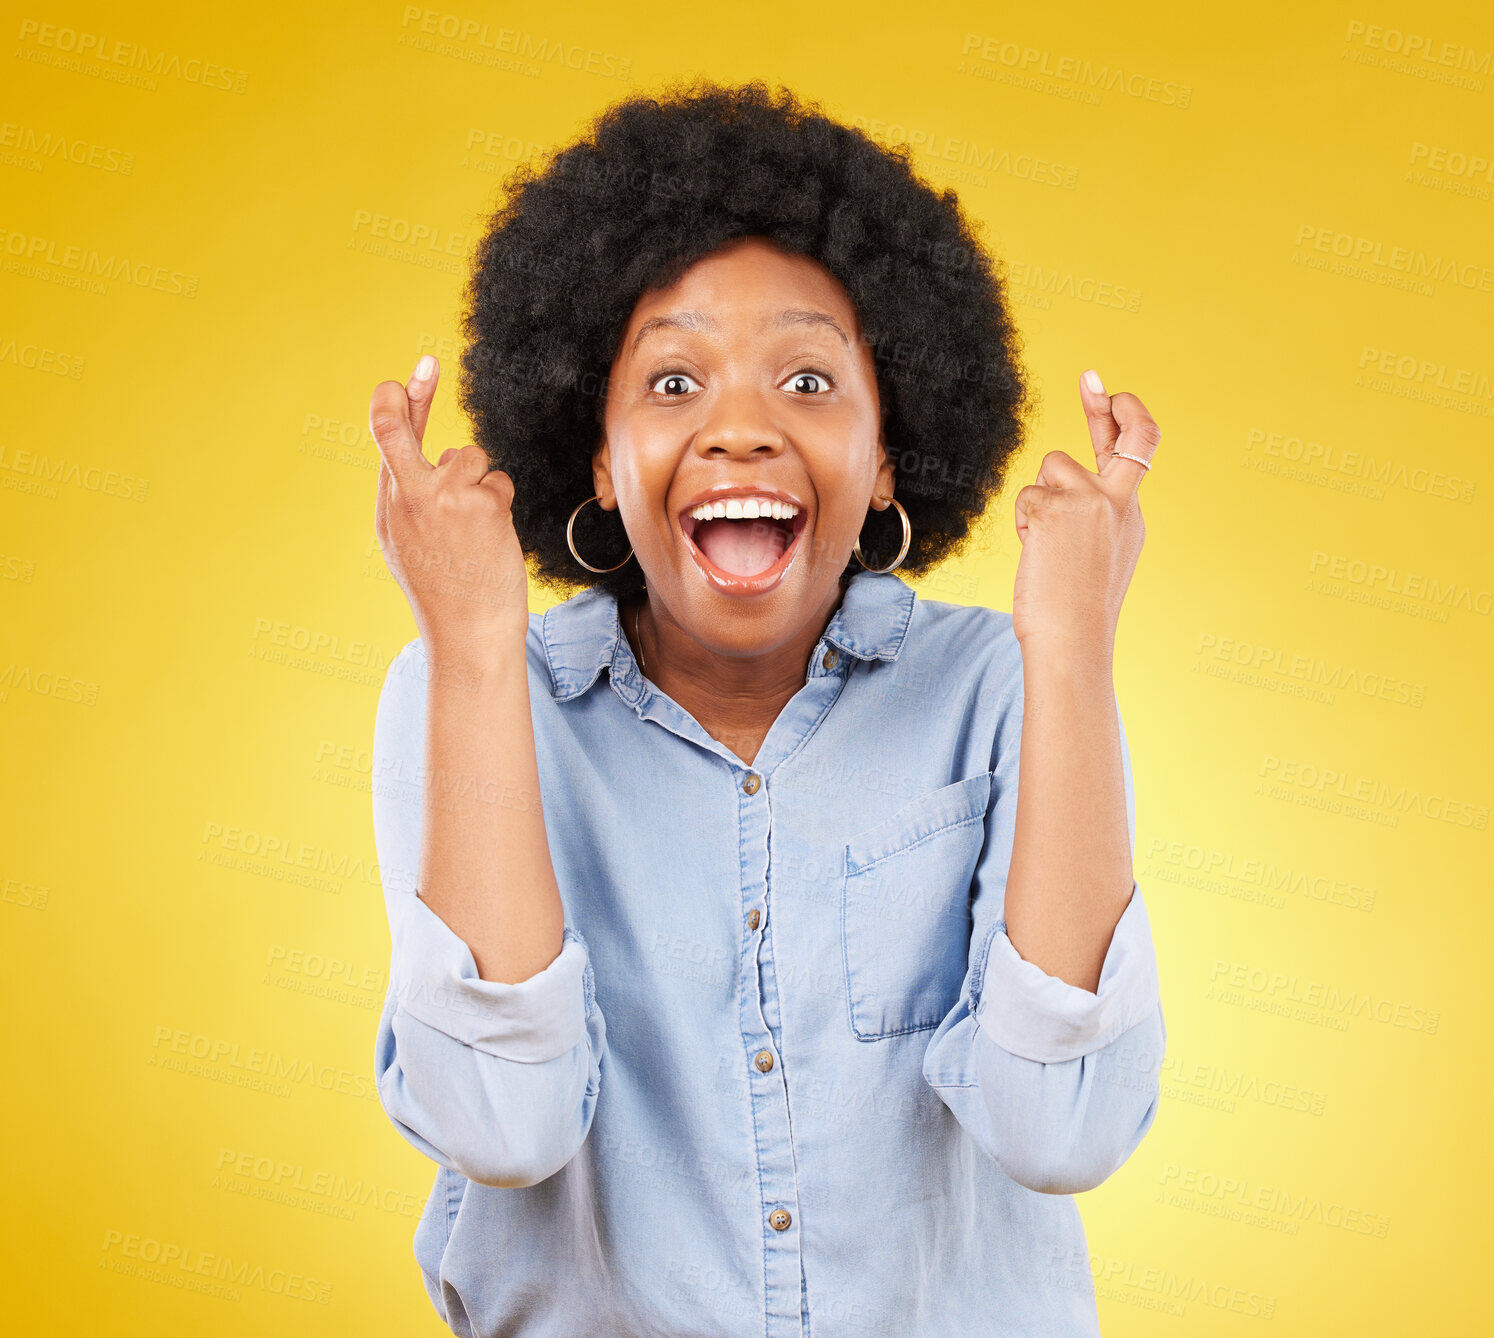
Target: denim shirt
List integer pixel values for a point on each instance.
(787, 1076)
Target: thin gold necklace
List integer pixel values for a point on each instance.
(638, 636)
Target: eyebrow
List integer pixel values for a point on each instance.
(698, 320)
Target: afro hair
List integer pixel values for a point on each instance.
(660, 181)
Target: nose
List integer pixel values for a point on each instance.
(739, 425)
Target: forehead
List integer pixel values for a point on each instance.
(745, 282)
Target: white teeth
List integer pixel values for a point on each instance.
(745, 508)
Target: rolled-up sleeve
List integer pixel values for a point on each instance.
(1033, 1015)
(1058, 1084)
(498, 1081)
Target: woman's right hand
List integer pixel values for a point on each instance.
(446, 530)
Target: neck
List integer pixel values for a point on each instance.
(735, 697)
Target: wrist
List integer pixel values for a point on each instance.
(1068, 657)
(475, 654)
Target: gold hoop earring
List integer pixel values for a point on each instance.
(570, 541)
(901, 552)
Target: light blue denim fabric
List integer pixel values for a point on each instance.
(787, 1076)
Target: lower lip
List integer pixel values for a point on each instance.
(730, 583)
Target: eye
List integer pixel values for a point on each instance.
(804, 380)
(673, 380)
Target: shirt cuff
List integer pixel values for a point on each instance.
(1036, 1016)
(531, 1021)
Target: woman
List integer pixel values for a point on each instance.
(732, 988)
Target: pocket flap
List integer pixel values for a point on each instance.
(920, 818)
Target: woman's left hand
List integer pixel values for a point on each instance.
(1081, 533)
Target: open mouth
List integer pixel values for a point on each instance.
(742, 553)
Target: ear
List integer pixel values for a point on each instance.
(886, 473)
(601, 476)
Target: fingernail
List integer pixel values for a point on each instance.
(1093, 384)
(425, 369)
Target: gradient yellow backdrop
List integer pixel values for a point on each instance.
(220, 230)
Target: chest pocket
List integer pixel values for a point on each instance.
(905, 909)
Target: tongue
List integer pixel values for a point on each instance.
(742, 547)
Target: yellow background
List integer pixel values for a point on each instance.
(188, 486)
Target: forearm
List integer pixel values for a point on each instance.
(485, 866)
(1071, 869)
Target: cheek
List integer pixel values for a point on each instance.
(642, 479)
(844, 488)
(842, 522)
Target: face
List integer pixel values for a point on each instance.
(744, 386)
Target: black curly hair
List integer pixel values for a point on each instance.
(660, 181)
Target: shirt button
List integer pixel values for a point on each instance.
(764, 1060)
(832, 658)
(754, 918)
(752, 782)
(779, 1220)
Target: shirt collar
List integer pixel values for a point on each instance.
(583, 635)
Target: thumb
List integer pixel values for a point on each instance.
(1099, 415)
(422, 390)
